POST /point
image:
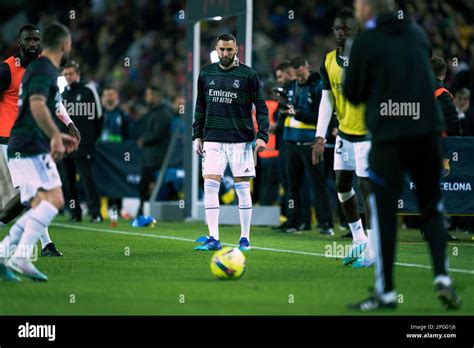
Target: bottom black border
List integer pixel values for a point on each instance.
(227, 330)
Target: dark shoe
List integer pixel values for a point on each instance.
(75, 218)
(372, 303)
(451, 238)
(97, 219)
(304, 227)
(282, 227)
(326, 229)
(50, 250)
(347, 235)
(448, 296)
(292, 230)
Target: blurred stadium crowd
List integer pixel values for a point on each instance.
(134, 44)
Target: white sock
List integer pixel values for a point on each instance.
(369, 249)
(38, 221)
(211, 204)
(357, 230)
(443, 279)
(13, 237)
(44, 238)
(245, 207)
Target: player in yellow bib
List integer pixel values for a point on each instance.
(352, 142)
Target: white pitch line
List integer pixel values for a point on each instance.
(403, 264)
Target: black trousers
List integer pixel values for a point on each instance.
(421, 157)
(269, 180)
(68, 168)
(298, 162)
(148, 176)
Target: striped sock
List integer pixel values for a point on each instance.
(245, 207)
(39, 219)
(211, 204)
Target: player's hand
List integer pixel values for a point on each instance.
(60, 144)
(74, 132)
(260, 145)
(318, 150)
(198, 146)
(69, 143)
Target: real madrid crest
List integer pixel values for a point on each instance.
(236, 84)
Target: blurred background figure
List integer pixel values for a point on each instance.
(115, 128)
(154, 142)
(464, 111)
(82, 102)
(115, 124)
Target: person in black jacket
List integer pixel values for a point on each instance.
(82, 102)
(154, 142)
(445, 98)
(301, 117)
(389, 70)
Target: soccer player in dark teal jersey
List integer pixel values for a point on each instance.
(35, 143)
(223, 134)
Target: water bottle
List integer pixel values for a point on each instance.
(114, 217)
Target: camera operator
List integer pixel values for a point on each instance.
(301, 116)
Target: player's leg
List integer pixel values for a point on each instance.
(214, 163)
(362, 149)
(242, 188)
(9, 244)
(40, 186)
(386, 180)
(425, 170)
(344, 167)
(242, 165)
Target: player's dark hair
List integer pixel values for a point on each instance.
(54, 34)
(345, 13)
(439, 65)
(284, 66)
(298, 62)
(73, 64)
(109, 86)
(28, 27)
(226, 37)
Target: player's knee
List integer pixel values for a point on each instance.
(343, 186)
(345, 196)
(212, 177)
(343, 182)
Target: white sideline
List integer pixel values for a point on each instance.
(114, 231)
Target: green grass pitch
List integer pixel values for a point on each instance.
(155, 271)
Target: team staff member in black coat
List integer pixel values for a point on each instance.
(445, 98)
(155, 140)
(389, 70)
(304, 96)
(83, 104)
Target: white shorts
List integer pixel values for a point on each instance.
(7, 190)
(350, 155)
(239, 156)
(31, 174)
